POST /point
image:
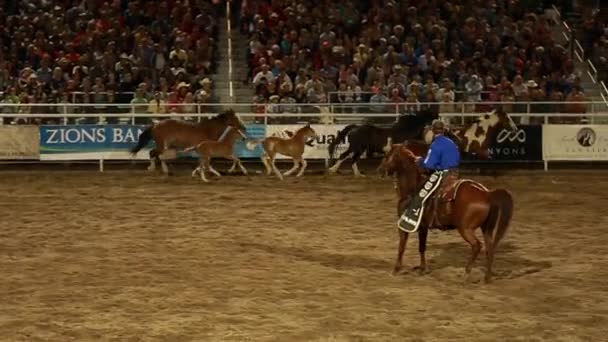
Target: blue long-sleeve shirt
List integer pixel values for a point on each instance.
(443, 154)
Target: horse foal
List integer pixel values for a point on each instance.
(218, 149)
(292, 147)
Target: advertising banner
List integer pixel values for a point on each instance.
(314, 148)
(524, 144)
(19, 142)
(575, 142)
(94, 142)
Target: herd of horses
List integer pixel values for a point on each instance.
(465, 205)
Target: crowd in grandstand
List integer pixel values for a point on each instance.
(594, 40)
(159, 54)
(145, 52)
(407, 51)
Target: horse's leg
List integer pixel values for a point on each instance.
(402, 241)
(304, 165)
(243, 169)
(489, 246)
(340, 160)
(274, 167)
(423, 232)
(165, 167)
(296, 164)
(197, 169)
(202, 167)
(468, 234)
(233, 167)
(214, 171)
(355, 167)
(153, 157)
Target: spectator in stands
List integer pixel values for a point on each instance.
(473, 92)
(119, 42)
(139, 105)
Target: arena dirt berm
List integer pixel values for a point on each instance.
(128, 256)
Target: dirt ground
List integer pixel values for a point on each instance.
(127, 256)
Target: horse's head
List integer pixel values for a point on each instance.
(397, 159)
(307, 132)
(236, 133)
(498, 118)
(230, 118)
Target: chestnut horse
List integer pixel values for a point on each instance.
(224, 148)
(464, 205)
(292, 147)
(178, 134)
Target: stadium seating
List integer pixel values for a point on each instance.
(594, 39)
(416, 51)
(105, 51)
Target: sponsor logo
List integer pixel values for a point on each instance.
(91, 135)
(323, 139)
(511, 136)
(586, 137)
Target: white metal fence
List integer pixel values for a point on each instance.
(454, 113)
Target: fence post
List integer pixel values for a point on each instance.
(462, 114)
(65, 118)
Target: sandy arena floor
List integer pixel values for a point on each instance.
(127, 256)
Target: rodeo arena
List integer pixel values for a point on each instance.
(301, 170)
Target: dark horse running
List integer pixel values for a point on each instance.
(370, 139)
(177, 134)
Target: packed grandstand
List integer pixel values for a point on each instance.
(159, 54)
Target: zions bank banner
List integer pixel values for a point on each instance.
(523, 144)
(94, 142)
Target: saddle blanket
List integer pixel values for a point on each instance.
(411, 218)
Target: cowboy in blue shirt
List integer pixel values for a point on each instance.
(442, 159)
(443, 154)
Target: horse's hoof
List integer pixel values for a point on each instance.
(396, 271)
(420, 269)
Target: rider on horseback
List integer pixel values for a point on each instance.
(443, 159)
(443, 153)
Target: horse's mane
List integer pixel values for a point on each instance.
(405, 121)
(218, 117)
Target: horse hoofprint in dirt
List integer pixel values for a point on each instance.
(292, 147)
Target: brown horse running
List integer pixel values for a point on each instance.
(178, 134)
(292, 147)
(462, 204)
(223, 148)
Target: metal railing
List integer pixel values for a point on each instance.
(549, 112)
(579, 52)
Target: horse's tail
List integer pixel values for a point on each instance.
(191, 148)
(499, 218)
(341, 136)
(143, 140)
(252, 143)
